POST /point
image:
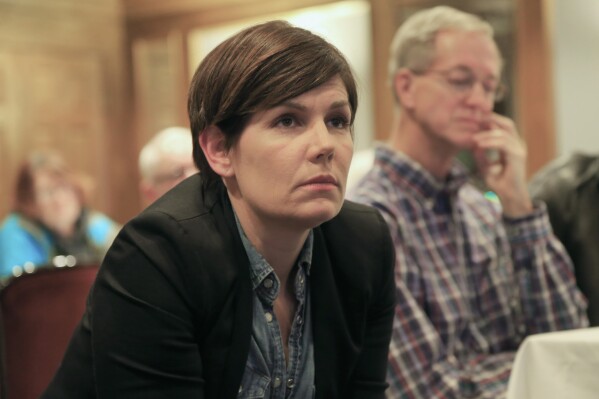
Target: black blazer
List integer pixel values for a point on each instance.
(569, 186)
(170, 314)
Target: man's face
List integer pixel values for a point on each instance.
(173, 169)
(453, 99)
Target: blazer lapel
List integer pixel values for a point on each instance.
(329, 326)
(243, 305)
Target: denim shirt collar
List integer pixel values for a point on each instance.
(260, 269)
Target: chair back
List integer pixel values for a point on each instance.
(39, 312)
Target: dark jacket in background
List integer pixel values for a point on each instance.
(570, 188)
(170, 314)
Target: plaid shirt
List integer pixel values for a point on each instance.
(471, 284)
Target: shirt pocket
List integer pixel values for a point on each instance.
(254, 385)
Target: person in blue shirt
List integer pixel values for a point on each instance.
(50, 217)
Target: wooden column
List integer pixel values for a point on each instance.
(534, 77)
(384, 24)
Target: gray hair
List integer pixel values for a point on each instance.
(172, 140)
(413, 45)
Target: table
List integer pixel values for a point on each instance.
(557, 365)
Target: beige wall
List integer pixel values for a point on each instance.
(576, 74)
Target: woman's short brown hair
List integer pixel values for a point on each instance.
(257, 69)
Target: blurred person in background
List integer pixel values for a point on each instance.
(164, 162)
(569, 186)
(51, 218)
(474, 277)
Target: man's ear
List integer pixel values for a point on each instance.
(403, 84)
(147, 192)
(212, 141)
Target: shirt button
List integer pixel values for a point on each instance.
(301, 279)
(299, 320)
(268, 283)
(277, 382)
(290, 383)
(268, 316)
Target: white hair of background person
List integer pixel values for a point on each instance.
(164, 161)
(413, 45)
(174, 140)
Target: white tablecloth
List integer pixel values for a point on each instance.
(557, 365)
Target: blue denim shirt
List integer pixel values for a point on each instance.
(266, 373)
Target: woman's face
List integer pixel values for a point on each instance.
(289, 166)
(58, 206)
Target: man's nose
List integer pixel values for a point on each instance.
(479, 97)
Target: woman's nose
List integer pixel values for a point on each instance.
(328, 156)
(323, 143)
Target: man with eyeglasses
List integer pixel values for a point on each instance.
(164, 162)
(473, 276)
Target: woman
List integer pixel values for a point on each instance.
(51, 218)
(252, 279)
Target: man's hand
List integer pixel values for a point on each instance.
(500, 154)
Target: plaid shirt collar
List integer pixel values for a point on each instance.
(409, 175)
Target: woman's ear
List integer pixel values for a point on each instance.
(212, 141)
(403, 84)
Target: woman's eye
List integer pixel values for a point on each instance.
(340, 122)
(286, 121)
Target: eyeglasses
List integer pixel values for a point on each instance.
(462, 81)
(44, 194)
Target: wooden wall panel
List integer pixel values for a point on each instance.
(535, 93)
(160, 84)
(384, 24)
(62, 64)
(55, 103)
(8, 130)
